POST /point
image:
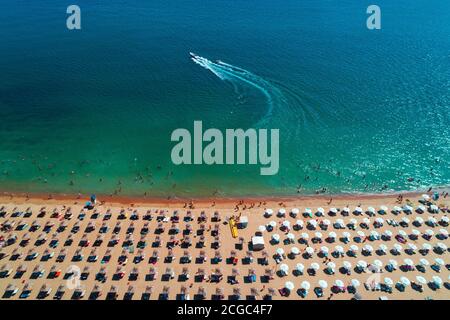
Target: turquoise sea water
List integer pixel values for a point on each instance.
(93, 110)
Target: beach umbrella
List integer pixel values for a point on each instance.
(419, 220)
(405, 220)
(339, 249)
(408, 262)
(268, 212)
(371, 210)
(273, 224)
(382, 247)
(315, 266)
(397, 209)
(323, 284)
(308, 211)
(432, 220)
(313, 222)
(347, 265)
(355, 283)
(295, 211)
(286, 224)
(354, 247)
(289, 285)
(361, 234)
(290, 236)
(321, 210)
(305, 285)
(284, 268)
(405, 281)
(358, 209)
(318, 235)
(426, 246)
(362, 264)
(366, 220)
(276, 237)
(374, 234)
(383, 209)
(346, 235)
(407, 208)
(309, 250)
(295, 250)
(429, 232)
(280, 251)
(437, 280)
(441, 246)
(388, 281)
(378, 263)
(305, 236)
(426, 197)
(434, 208)
(346, 210)
(368, 248)
(331, 265)
(299, 267)
(439, 261)
(282, 211)
(421, 280)
(424, 262)
(402, 233)
(445, 219)
(420, 209)
(412, 246)
(339, 283)
(388, 233)
(443, 232)
(332, 235)
(379, 220)
(393, 263)
(262, 228)
(352, 221)
(326, 222)
(333, 210)
(299, 223)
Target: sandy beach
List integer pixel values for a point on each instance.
(86, 230)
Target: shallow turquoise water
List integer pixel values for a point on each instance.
(93, 110)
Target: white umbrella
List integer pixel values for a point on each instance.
(397, 209)
(398, 247)
(268, 212)
(424, 262)
(388, 233)
(378, 263)
(355, 283)
(441, 246)
(439, 261)
(326, 222)
(347, 264)
(323, 284)
(262, 228)
(299, 223)
(353, 221)
(366, 220)
(300, 267)
(429, 232)
(408, 262)
(359, 209)
(339, 283)
(315, 266)
(276, 237)
(361, 234)
(309, 250)
(286, 224)
(331, 265)
(295, 211)
(333, 210)
(445, 219)
(420, 209)
(384, 208)
(388, 281)
(362, 264)
(443, 232)
(421, 280)
(280, 251)
(419, 220)
(332, 234)
(346, 209)
(289, 285)
(426, 246)
(273, 224)
(313, 223)
(368, 248)
(434, 208)
(407, 208)
(318, 235)
(282, 211)
(379, 220)
(354, 247)
(324, 249)
(305, 236)
(382, 247)
(284, 268)
(295, 250)
(346, 235)
(405, 281)
(339, 249)
(425, 197)
(437, 280)
(412, 246)
(321, 210)
(290, 236)
(305, 285)
(371, 209)
(393, 263)
(402, 233)
(308, 211)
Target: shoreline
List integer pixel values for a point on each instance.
(22, 197)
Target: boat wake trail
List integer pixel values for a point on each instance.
(228, 72)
